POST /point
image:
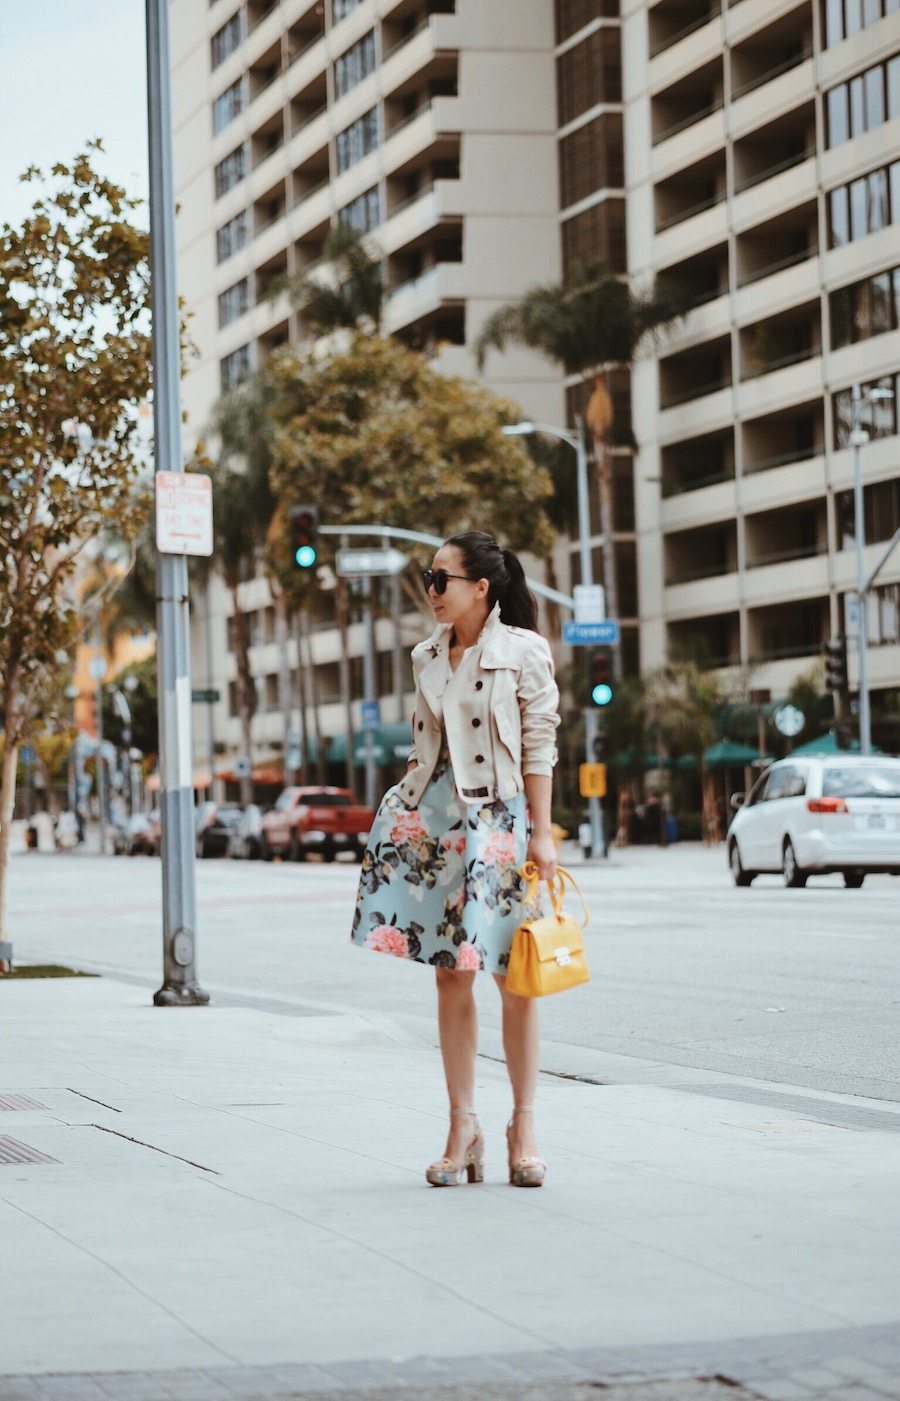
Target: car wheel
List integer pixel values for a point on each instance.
(854, 879)
(738, 874)
(794, 877)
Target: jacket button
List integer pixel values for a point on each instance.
(421, 724)
(478, 685)
(479, 758)
(476, 723)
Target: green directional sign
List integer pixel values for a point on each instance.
(208, 697)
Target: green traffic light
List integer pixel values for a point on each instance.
(602, 694)
(306, 556)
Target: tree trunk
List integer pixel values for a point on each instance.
(7, 805)
(342, 606)
(246, 691)
(314, 699)
(551, 609)
(610, 584)
(303, 731)
(710, 819)
(284, 681)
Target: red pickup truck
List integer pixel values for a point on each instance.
(323, 820)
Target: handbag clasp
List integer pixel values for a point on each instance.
(563, 956)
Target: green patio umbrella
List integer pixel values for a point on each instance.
(827, 744)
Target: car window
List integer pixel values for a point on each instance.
(861, 781)
(775, 785)
(285, 800)
(326, 800)
(757, 792)
(794, 785)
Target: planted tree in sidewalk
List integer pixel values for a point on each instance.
(74, 364)
(683, 706)
(590, 324)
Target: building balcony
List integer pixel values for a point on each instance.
(697, 462)
(793, 477)
(776, 189)
(711, 639)
(706, 500)
(423, 295)
(438, 34)
(713, 410)
(779, 286)
(692, 191)
(780, 386)
(671, 23)
(698, 136)
(782, 631)
(408, 221)
(697, 599)
(702, 552)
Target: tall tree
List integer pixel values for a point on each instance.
(74, 364)
(588, 325)
(683, 704)
(346, 292)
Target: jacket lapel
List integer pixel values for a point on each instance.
(433, 676)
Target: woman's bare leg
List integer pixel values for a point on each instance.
(521, 1035)
(458, 1030)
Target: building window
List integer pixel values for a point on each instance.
(363, 213)
(865, 309)
(234, 368)
(228, 105)
(357, 141)
(589, 74)
(226, 39)
(572, 15)
(233, 302)
(354, 65)
(342, 8)
(841, 19)
(880, 417)
(864, 206)
(591, 159)
(231, 171)
(233, 236)
(863, 103)
(597, 235)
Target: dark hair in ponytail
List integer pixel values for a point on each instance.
(484, 558)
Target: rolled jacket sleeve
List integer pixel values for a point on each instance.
(538, 696)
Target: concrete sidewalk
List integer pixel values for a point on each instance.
(230, 1202)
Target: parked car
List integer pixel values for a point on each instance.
(214, 824)
(244, 836)
(140, 835)
(323, 820)
(815, 815)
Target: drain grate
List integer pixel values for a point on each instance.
(20, 1102)
(12, 1151)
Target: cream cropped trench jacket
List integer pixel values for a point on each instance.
(500, 710)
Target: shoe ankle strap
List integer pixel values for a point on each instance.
(524, 1109)
(462, 1111)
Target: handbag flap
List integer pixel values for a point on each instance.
(556, 940)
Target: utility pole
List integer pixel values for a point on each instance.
(180, 987)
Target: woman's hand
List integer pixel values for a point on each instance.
(542, 851)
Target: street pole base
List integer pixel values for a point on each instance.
(180, 995)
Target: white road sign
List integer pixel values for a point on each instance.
(359, 563)
(590, 603)
(184, 513)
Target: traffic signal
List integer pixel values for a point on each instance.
(600, 687)
(304, 523)
(600, 748)
(836, 664)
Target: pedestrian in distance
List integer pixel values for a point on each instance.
(440, 880)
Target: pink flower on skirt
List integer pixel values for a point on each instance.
(408, 827)
(500, 849)
(467, 957)
(385, 938)
(454, 843)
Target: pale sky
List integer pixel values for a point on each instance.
(70, 70)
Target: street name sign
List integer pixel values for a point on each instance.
(184, 523)
(605, 634)
(590, 603)
(363, 563)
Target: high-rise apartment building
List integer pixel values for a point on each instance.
(762, 144)
(430, 125)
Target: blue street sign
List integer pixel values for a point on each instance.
(27, 755)
(371, 715)
(604, 634)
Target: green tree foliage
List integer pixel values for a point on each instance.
(375, 434)
(349, 295)
(74, 288)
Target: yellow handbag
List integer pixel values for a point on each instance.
(547, 953)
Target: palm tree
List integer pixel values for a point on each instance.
(589, 324)
(352, 298)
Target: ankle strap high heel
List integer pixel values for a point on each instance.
(524, 1172)
(446, 1173)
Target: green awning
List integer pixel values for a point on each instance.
(631, 759)
(827, 744)
(724, 754)
(391, 742)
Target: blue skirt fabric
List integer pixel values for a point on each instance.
(440, 882)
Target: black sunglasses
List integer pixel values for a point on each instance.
(437, 579)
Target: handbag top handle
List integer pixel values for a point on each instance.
(557, 889)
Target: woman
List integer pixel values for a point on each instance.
(440, 879)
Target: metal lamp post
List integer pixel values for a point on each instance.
(526, 429)
(858, 438)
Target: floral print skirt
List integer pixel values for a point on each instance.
(440, 882)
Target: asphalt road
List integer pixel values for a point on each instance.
(796, 987)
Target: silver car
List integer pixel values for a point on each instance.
(817, 814)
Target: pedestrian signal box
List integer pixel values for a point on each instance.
(592, 780)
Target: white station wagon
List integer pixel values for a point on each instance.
(816, 814)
